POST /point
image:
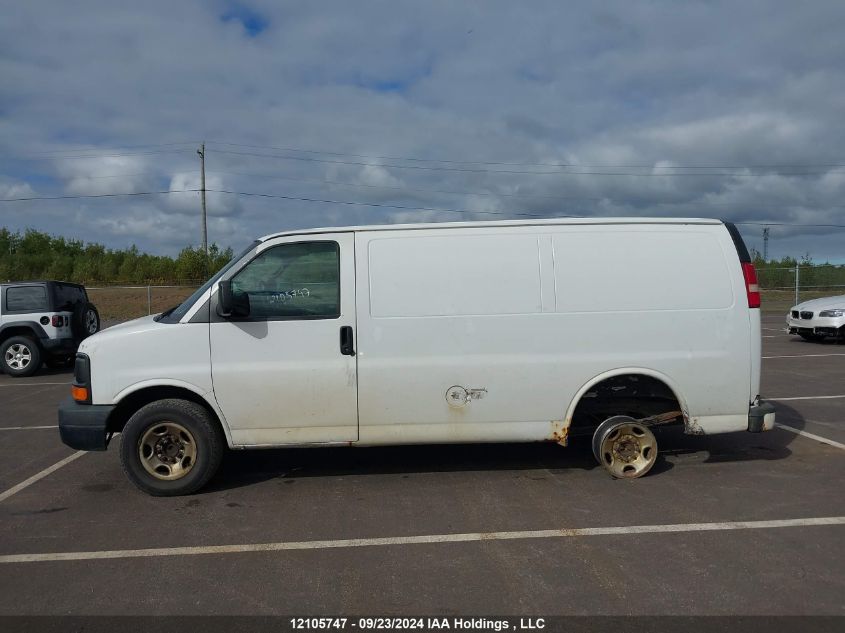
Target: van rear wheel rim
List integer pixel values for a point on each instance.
(628, 450)
(167, 451)
(18, 356)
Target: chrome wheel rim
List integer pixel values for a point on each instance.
(91, 322)
(167, 451)
(18, 356)
(628, 450)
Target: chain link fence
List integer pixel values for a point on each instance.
(782, 288)
(123, 303)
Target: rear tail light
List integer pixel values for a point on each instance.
(57, 321)
(752, 289)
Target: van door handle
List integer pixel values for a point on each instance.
(347, 346)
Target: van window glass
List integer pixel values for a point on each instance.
(26, 299)
(290, 281)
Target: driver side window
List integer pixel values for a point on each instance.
(293, 281)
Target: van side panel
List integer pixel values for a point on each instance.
(669, 298)
(452, 275)
(639, 269)
(519, 319)
(463, 307)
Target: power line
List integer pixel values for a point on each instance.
(369, 204)
(107, 149)
(526, 164)
(497, 195)
(395, 188)
(831, 226)
(382, 205)
(451, 210)
(319, 181)
(516, 171)
(96, 155)
(99, 195)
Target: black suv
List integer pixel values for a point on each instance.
(43, 322)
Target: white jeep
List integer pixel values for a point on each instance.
(43, 322)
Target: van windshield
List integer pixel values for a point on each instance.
(175, 314)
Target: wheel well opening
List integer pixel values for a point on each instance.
(634, 395)
(9, 332)
(134, 401)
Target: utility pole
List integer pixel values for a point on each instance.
(201, 152)
(765, 241)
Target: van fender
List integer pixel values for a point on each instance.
(207, 396)
(689, 426)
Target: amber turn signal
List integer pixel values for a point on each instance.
(80, 394)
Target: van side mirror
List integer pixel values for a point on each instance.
(231, 304)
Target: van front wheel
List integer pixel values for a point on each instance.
(171, 447)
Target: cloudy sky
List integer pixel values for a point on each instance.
(421, 111)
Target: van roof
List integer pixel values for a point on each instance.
(493, 223)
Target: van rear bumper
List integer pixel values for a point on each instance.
(761, 417)
(84, 426)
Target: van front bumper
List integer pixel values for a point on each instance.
(761, 417)
(84, 426)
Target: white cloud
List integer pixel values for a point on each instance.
(189, 202)
(654, 84)
(10, 189)
(104, 175)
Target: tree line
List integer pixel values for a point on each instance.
(780, 273)
(35, 255)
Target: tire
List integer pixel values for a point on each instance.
(157, 440)
(85, 320)
(21, 356)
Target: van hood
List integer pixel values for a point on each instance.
(136, 326)
(825, 303)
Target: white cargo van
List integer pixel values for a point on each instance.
(418, 334)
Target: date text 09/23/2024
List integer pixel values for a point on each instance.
(419, 624)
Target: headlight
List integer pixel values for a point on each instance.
(81, 387)
(836, 312)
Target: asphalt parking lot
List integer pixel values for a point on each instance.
(735, 524)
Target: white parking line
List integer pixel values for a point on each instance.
(805, 398)
(34, 384)
(27, 428)
(812, 436)
(774, 329)
(422, 539)
(804, 356)
(39, 476)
